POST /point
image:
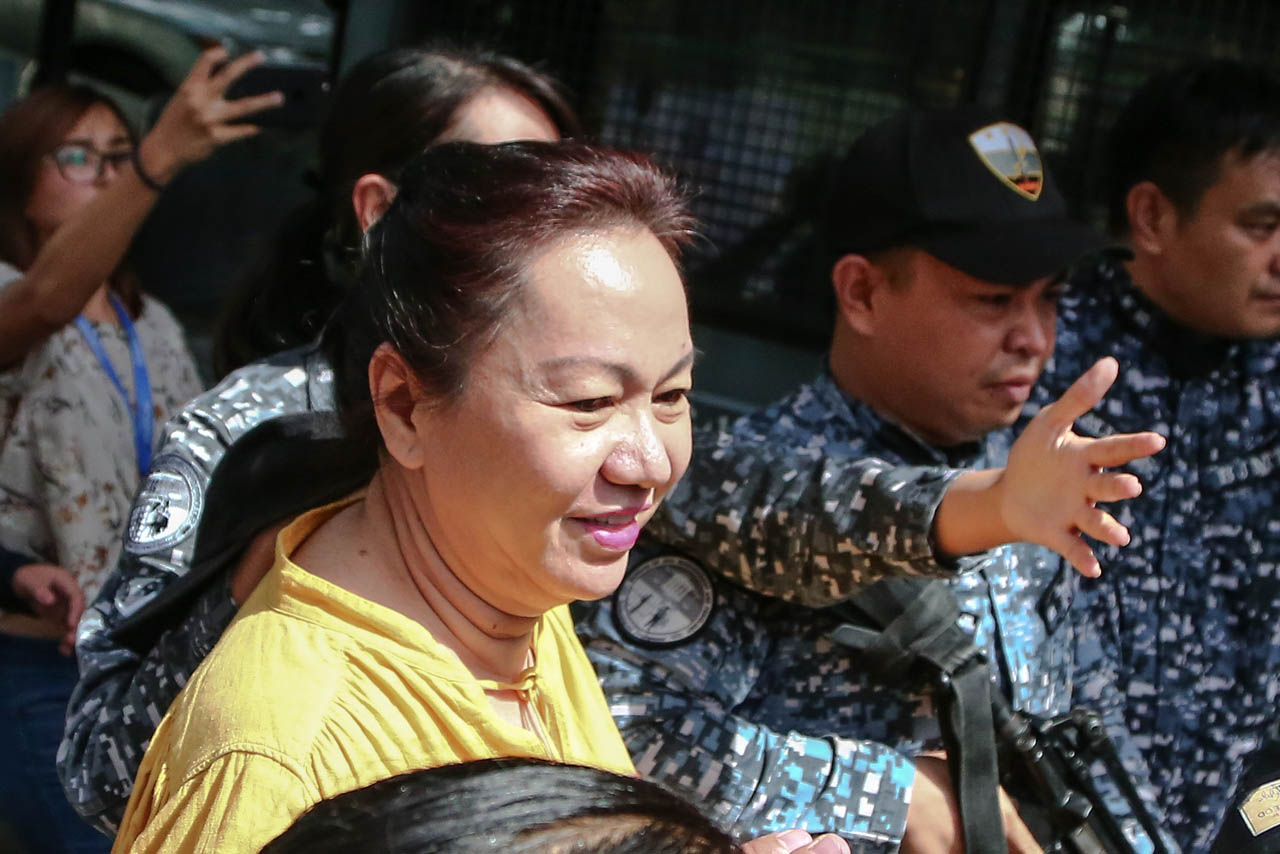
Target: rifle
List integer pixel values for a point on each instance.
(1045, 764)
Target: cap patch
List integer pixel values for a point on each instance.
(1010, 153)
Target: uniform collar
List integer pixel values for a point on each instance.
(889, 434)
(1187, 352)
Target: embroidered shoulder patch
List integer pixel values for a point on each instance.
(664, 601)
(167, 508)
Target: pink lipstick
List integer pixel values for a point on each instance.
(616, 538)
(617, 531)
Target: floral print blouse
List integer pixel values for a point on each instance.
(68, 467)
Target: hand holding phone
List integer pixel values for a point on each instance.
(305, 88)
(200, 116)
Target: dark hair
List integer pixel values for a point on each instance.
(389, 107)
(29, 130)
(1179, 125)
(446, 260)
(508, 805)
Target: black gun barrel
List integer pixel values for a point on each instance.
(1071, 814)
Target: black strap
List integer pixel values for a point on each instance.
(973, 761)
(918, 620)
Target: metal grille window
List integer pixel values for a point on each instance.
(1096, 54)
(749, 99)
(746, 100)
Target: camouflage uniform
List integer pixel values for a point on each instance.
(1190, 609)
(757, 714)
(122, 693)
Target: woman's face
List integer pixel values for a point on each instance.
(572, 427)
(54, 199)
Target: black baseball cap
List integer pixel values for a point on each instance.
(962, 184)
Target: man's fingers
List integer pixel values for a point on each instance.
(1076, 552)
(1084, 393)
(233, 70)
(1104, 487)
(1122, 449)
(1102, 526)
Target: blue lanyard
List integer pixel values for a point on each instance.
(143, 425)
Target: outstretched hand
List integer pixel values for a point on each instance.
(1055, 479)
(198, 118)
(53, 594)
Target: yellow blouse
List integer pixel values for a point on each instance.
(314, 691)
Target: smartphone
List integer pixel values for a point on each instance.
(305, 89)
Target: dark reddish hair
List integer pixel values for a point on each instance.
(29, 130)
(446, 262)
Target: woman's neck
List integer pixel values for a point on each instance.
(98, 309)
(382, 551)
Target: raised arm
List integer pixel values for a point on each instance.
(82, 254)
(813, 524)
(802, 524)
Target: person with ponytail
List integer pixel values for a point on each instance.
(201, 531)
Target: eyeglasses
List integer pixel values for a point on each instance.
(84, 164)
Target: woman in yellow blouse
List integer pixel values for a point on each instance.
(519, 359)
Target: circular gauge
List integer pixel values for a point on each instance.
(664, 601)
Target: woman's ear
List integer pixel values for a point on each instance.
(370, 198)
(855, 280)
(396, 392)
(1152, 217)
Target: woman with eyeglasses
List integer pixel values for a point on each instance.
(89, 368)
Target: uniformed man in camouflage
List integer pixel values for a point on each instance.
(947, 242)
(1190, 610)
